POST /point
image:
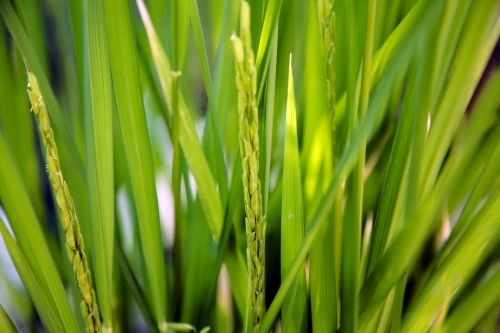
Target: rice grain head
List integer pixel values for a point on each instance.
(246, 82)
(69, 220)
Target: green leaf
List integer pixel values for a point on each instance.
(205, 330)
(345, 165)
(32, 62)
(99, 151)
(135, 288)
(199, 257)
(237, 271)
(180, 327)
(476, 243)
(180, 224)
(33, 246)
(270, 20)
(317, 154)
(407, 242)
(187, 136)
(475, 306)
(202, 50)
(41, 300)
(400, 151)
(18, 127)
(129, 103)
(232, 256)
(351, 241)
(483, 118)
(31, 17)
(218, 165)
(6, 323)
(270, 104)
(454, 99)
(292, 219)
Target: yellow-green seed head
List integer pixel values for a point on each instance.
(246, 83)
(33, 92)
(60, 199)
(239, 53)
(254, 179)
(67, 195)
(245, 16)
(248, 148)
(69, 221)
(70, 252)
(82, 246)
(253, 162)
(70, 237)
(51, 165)
(44, 121)
(65, 218)
(89, 321)
(251, 216)
(255, 204)
(84, 309)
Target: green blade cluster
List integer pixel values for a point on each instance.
(74, 240)
(246, 82)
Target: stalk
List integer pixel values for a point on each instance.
(74, 240)
(246, 82)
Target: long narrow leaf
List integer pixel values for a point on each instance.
(475, 244)
(99, 149)
(31, 239)
(400, 151)
(473, 308)
(128, 97)
(187, 133)
(345, 165)
(455, 99)
(292, 218)
(407, 243)
(317, 151)
(270, 20)
(41, 300)
(31, 59)
(212, 128)
(135, 288)
(6, 323)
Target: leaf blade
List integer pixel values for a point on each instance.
(188, 138)
(131, 113)
(31, 240)
(292, 218)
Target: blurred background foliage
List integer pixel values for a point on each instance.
(421, 255)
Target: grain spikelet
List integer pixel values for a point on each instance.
(246, 82)
(74, 240)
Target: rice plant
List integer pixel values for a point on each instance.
(260, 166)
